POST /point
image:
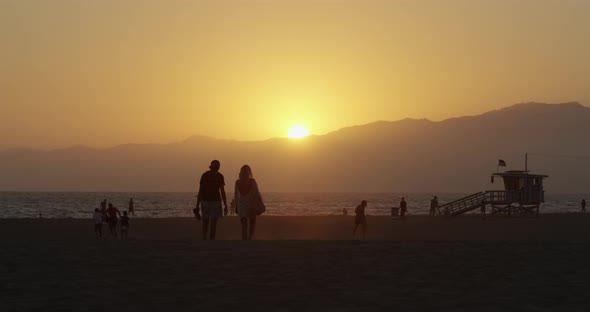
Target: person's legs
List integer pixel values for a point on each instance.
(252, 227)
(356, 225)
(213, 228)
(244, 222)
(205, 227)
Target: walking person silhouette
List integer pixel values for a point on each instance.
(360, 218)
(248, 202)
(211, 194)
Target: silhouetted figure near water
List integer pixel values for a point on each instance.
(98, 220)
(403, 207)
(211, 194)
(131, 207)
(583, 205)
(360, 218)
(433, 206)
(344, 212)
(124, 225)
(103, 210)
(112, 217)
(436, 204)
(248, 202)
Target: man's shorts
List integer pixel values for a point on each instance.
(211, 209)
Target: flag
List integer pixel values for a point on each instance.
(501, 163)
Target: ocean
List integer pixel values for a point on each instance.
(165, 205)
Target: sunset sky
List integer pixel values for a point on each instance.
(101, 73)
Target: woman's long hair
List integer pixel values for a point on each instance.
(246, 172)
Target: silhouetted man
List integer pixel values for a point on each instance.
(131, 207)
(112, 216)
(433, 206)
(103, 210)
(583, 205)
(403, 207)
(211, 193)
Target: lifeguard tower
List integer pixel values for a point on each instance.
(522, 195)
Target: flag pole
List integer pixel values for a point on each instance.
(526, 173)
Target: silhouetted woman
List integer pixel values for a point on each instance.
(248, 202)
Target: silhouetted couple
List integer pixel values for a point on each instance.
(247, 199)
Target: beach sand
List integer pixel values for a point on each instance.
(300, 264)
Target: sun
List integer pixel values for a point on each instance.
(298, 131)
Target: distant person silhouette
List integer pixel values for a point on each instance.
(344, 212)
(211, 194)
(403, 207)
(583, 205)
(433, 206)
(98, 220)
(112, 217)
(436, 205)
(360, 218)
(248, 201)
(124, 225)
(131, 206)
(103, 210)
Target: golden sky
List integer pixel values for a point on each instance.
(105, 72)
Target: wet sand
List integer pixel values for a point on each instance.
(300, 264)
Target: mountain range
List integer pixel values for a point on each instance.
(409, 155)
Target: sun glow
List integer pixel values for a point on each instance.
(298, 131)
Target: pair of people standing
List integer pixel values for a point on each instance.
(247, 200)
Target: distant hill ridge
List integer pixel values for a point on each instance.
(408, 155)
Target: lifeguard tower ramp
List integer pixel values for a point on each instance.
(463, 205)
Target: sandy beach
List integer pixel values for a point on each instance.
(300, 264)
